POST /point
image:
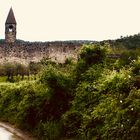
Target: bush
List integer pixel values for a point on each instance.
(128, 57)
(89, 55)
(59, 85)
(52, 130)
(95, 98)
(93, 54)
(71, 123)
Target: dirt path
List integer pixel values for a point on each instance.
(16, 132)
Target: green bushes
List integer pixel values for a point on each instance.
(128, 57)
(89, 55)
(103, 99)
(16, 71)
(50, 130)
(92, 54)
(95, 98)
(71, 123)
(59, 85)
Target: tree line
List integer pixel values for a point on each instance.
(10, 70)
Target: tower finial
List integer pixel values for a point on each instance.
(11, 18)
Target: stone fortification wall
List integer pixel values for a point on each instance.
(26, 52)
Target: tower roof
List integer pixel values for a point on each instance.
(11, 18)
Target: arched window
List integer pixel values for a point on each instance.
(10, 28)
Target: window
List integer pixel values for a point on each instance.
(10, 28)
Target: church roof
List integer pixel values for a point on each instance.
(11, 18)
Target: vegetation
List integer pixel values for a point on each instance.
(16, 72)
(97, 97)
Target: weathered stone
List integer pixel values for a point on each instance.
(33, 52)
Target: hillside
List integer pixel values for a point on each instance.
(94, 98)
(129, 42)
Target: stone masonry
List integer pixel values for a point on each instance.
(26, 52)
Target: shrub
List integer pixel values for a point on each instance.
(128, 57)
(93, 54)
(71, 123)
(59, 85)
(89, 55)
(52, 130)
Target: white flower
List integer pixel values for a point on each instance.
(133, 60)
(132, 108)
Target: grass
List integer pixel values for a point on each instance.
(3, 79)
(16, 79)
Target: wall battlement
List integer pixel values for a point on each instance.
(26, 52)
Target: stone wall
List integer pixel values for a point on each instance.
(10, 33)
(26, 52)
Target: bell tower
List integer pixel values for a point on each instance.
(10, 27)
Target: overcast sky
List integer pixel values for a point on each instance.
(48, 20)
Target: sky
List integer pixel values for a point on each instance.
(50, 20)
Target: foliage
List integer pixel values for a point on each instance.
(59, 85)
(97, 97)
(92, 54)
(128, 57)
(16, 71)
(89, 55)
(71, 122)
(49, 130)
(129, 42)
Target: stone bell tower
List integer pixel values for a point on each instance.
(10, 27)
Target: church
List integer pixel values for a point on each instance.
(10, 27)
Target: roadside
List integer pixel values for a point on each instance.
(19, 133)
